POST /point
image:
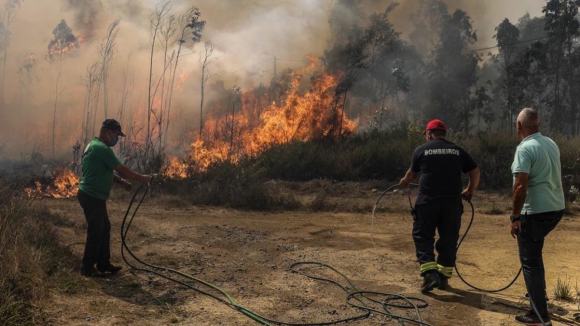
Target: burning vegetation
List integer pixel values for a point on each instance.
(63, 43)
(64, 185)
(302, 115)
(370, 77)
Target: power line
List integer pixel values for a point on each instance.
(431, 55)
(515, 43)
(490, 47)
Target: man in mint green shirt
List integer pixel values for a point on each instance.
(538, 206)
(98, 165)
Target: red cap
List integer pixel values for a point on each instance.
(436, 125)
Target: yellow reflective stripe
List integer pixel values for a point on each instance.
(446, 271)
(428, 266)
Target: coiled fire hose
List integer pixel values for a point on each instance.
(458, 243)
(360, 300)
(412, 210)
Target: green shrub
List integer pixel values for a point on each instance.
(372, 155)
(494, 155)
(240, 185)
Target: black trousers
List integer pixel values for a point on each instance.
(535, 228)
(444, 216)
(97, 246)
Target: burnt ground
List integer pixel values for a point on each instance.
(248, 254)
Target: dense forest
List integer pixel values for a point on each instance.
(383, 81)
(439, 73)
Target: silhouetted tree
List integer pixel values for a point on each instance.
(507, 36)
(453, 73)
(106, 52)
(563, 27)
(63, 44)
(428, 22)
(6, 18)
(204, 63)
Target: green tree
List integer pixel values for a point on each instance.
(531, 28)
(347, 54)
(63, 43)
(453, 73)
(481, 101)
(386, 66)
(563, 27)
(428, 22)
(507, 36)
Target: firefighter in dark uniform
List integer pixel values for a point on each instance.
(440, 164)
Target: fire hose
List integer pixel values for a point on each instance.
(412, 211)
(355, 298)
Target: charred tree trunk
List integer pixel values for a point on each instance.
(205, 77)
(156, 19)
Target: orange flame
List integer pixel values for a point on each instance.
(58, 51)
(176, 169)
(64, 185)
(303, 116)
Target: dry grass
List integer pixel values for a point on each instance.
(493, 210)
(31, 255)
(563, 290)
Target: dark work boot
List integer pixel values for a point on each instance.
(443, 281)
(109, 269)
(430, 281)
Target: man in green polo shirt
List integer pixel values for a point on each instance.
(98, 166)
(538, 206)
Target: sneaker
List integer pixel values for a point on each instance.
(531, 319)
(109, 269)
(90, 271)
(443, 282)
(430, 281)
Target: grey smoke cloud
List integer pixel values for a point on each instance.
(246, 34)
(87, 13)
(485, 15)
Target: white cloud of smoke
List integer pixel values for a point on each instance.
(246, 34)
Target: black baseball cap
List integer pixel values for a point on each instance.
(114, 125)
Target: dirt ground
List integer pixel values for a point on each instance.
(248, 254)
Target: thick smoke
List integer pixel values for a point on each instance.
(486, 15)
(247, 36)
(87, 14)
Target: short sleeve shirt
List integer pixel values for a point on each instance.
(97, 169)
(539, 157)
(440, 164)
